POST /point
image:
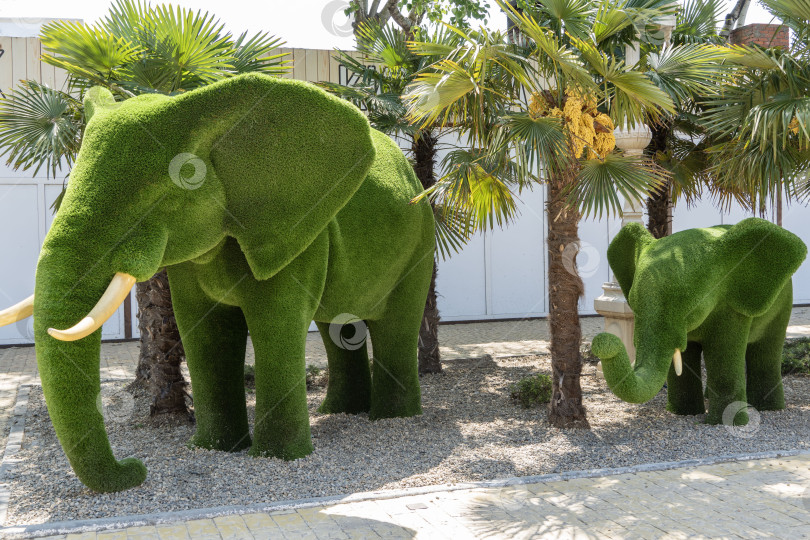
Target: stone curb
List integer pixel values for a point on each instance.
(13, 446)
(122, 522)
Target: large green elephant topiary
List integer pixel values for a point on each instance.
(724, 292)
(272, 204)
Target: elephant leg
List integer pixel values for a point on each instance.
(214, 337)
(281, 424)
(763, 359)
(724, 354)
(763, 369)
(395, 390)
(349, 387)
(685, 391)
(278, 312)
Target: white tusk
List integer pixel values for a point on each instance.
(17, 312)
(677, 361)
(116, 292)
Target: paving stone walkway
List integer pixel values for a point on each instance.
(766, 498)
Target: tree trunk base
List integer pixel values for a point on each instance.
(659, 221)
(565, 289)
(429, 356)
(568, 413)
(424, 153)
(659, 204)
(162, 351)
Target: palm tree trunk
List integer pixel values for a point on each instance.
(424, 150)
(565, 289)
(659, 204)
(161, 349)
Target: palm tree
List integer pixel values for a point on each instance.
(135, 49)
(759, 120)
(379, 81)
(543, 110)
(689, 69)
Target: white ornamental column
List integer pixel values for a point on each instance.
(612, 305)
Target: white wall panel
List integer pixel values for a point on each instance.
(517, 262)
(701, 214)
(461, 283)
(19, 221)
(796, 219)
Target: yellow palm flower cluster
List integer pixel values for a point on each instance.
(587, 128)
(794, 126)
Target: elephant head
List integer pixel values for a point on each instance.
(160, 180)
(673, 284)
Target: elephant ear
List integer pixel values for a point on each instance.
(624, 251)
(759, 259)
(289, 156)
(98, 99)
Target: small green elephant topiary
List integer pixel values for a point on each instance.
(722, 292)
(271, 203)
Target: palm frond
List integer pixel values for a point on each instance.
(555, 60)
(600, 182)
(572, 17)
(193, 46)
(477, 186)
(87, 52)
(39, 127)
(687, 71)
(452, 233)
(795, 10)
(254, 55)
(752, 175)
(697, 22)
(771, 121)
(632, 96)
(686, 161)
(610, 21)
(538, 141)
(384, 45)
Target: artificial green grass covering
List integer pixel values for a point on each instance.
(271, 203)
(723, 293)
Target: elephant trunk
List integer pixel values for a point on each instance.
(69, 283)
(634, 384)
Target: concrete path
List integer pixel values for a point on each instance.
(749, 499)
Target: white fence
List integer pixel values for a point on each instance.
(500, 274)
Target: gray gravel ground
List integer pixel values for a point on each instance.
(470, 430)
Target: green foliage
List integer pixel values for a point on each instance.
(250, 377)
(40, 127)
(456, 12)
(531, 391)
(135, 49)
(138, 48)
(602, 181)
(724, 291)
(482, 88)
(758, 118)
(796, 357)
(317, 377)
(687, 70)
(697, 21)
